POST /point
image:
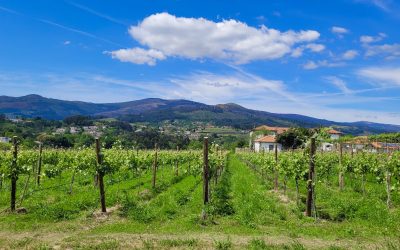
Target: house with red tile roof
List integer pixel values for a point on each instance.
(266, 141)
(266, 144)
(334, 134)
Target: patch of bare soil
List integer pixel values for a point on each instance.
(99, 215)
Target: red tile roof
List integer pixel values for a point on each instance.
(278, 130)
(334, 132)
(268, 138)
(386, 145)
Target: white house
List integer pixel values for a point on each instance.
(327, 146)
(335, 135)
(74, 130)
(266, 144)
(5, 139)
(357, 143)
(383, 147)
(274, 131)
(61, 131)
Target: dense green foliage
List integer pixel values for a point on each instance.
(242, 203)
(369, 176)
(294, 138)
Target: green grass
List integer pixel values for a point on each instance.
(243, 213)
(257, 244)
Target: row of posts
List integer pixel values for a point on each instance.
(100, 172)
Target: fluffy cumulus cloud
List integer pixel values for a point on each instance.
(163, 35)
(138, 55)
(384, 76)
(350, 54)
(340, 31)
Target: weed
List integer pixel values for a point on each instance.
(257, 244)
(148, 244)
(179, 242)
(223, 244)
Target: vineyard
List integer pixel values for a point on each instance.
(95, 198)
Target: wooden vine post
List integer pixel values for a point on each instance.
(310, 187)
(388, 180)
(341, 175)
(276, 173)
(205, 171)
(205, 177)
(177, 162)
(100, 176)
(218, 168)
(39, 170)
(190, 153)
(14, 173)
(154, 168)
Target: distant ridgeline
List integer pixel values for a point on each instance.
(155, 110)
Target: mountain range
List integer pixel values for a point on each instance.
(156, 110)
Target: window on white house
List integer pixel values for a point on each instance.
(271, 147)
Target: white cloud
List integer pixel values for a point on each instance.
(61, 26)
(277, 14)
(89, 10)
(138, 55)
(322, 63)
(81, 32)
(67, 42)
(77, 86)
(390, 51)
(297, 52)
(382, 4)
(314, 47)
(383, 76)
(271, 95)
(350, 54)
(261, 18)
(339, 83)
(219, 88)
(9, 10)
(199, 38)
(340, 31)
(372, 39)
(310, 65)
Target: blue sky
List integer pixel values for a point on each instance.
(338, 60)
